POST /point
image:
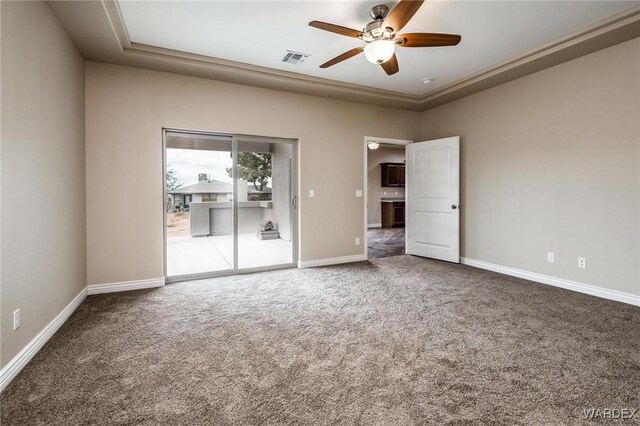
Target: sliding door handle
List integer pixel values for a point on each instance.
(293, 201)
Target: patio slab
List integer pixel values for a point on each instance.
(189, 255)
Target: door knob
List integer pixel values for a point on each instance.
(453, 206)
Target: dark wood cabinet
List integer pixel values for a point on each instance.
(392, 214)
(392, 174)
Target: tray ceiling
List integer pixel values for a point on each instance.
(259, 33)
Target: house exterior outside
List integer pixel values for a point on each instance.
(212, 190)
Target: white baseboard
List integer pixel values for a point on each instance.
(374, 225)
(18, 362)
(331, 261)
(125, 286)
(556, 282)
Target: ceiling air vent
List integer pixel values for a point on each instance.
(295, 57)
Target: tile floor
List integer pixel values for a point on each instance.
(385, 242)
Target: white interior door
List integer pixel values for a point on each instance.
(433, 199)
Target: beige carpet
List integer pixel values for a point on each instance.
(402, 340)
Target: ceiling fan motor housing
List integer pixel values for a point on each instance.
(380, 35)
(376, 30)
(379, 12)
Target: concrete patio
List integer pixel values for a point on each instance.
(193, 255)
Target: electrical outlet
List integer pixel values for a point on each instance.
(357, 241)
(582, 262)
(358, 193)
(312, 193)
(16, 319)
(384, 193)
(551, 257)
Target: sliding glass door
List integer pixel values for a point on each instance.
(229, 204)
(265, 202)
(199, 189)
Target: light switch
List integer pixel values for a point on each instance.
(312, 193)
(358, 192)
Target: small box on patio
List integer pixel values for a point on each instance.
(268, 231)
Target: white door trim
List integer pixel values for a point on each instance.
(368, 139)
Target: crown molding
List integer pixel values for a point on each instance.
(116, 21)
(608, 32)
(253, 75)
(261, 72)
(99, 30)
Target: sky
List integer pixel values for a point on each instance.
(188, 163)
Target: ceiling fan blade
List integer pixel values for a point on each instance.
(391, 66)
(346, 55)
(402, 13)
(335, 29)
(427, 39)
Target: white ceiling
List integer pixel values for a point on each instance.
(259, 33)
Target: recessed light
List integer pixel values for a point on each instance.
(427, 80)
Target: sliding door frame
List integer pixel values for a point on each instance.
(235, 137)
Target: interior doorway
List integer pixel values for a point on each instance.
(229, 204)
(385, 172)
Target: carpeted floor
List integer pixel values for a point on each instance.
(401, 340)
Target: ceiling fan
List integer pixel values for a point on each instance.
(381, 36)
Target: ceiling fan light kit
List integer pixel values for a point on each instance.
(379, 51)
(373, 145)
(381, 36)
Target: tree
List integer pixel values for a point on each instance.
(254, 167)
(172, 179)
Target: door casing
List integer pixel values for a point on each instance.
(368, 139)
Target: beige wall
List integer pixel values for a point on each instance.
(126, 109)
(43, 174)
(374, 191)
(551, 162)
